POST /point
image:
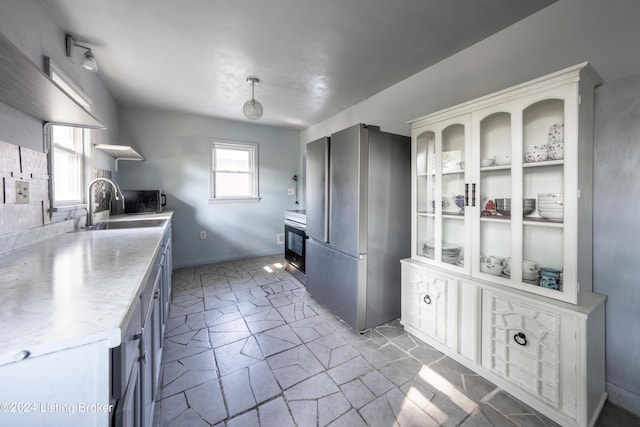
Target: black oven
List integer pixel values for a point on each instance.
(294, 247)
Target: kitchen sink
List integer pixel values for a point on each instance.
(136, 223)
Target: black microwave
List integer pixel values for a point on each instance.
(144, 201)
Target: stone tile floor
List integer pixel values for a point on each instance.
(247, 346)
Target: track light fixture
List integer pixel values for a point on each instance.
(252, 108)
(88, 60)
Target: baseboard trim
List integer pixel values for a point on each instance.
(625, 398)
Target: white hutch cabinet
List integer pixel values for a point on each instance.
(500, 276)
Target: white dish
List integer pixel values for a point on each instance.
(550, 207)
(495, 269)
(550, 196)
(552, 214)
(486, 162)
(535, 156)
(503, 160)
(556, 155)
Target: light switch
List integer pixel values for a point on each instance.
(22, 192)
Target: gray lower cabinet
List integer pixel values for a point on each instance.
(128, 410)
(136, 362)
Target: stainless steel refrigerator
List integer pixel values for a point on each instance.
(358, 201)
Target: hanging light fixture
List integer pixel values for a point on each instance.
(88, 60)
(252, 108)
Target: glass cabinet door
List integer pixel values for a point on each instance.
(452, 194)
(493, 218)
(441, 156)
(425, 194)
(519, 238)
(543, 187)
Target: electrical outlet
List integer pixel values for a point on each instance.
(203, 235)
(22, 192)
(290, 191)
(280, 239)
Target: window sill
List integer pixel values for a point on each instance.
(65, 212)
(235, 200)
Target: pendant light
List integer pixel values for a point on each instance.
(252, 108)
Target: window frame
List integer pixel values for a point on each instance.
(254, 180)
(83, 140)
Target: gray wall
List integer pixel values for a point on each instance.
(606, 34)
(616, 264)
(30, 25)
(177, 151)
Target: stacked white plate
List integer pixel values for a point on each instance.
(450, 251)
(529, 274)
(551, 206)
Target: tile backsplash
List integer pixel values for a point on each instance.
(24, 165)
(31, 166)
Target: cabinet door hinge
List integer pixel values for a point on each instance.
(578, 193)
(579, 99)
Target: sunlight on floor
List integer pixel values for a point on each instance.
(440, 383)
(268, 269)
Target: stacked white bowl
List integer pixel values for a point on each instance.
(555, 148)
(551, 205)
(535, 153)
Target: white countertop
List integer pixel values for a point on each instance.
(74, 288)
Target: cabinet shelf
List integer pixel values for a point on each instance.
(495, 168)
(456, 172)
(542, 164)
(541, 222)
(495, 218)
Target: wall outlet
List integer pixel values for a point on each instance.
(22, 192)
(203, 235)
(280, 239)
(291, 192)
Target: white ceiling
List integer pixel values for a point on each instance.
(314, 58)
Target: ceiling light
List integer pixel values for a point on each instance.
(88, 60)
(252, 108)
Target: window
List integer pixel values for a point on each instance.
(234, 171)
(68, 148)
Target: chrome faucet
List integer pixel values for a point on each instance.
(118, 194)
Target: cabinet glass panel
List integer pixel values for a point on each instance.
(543, 184)
(426, 176)
(495, 193)
(453, 187)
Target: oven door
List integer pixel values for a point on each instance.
(294, 244)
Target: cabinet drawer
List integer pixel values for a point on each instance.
(431, 304)
(521, 343)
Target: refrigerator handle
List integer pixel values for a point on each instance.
(327, 189)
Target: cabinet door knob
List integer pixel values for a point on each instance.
(427, 299)
(520, 338)
(466, 194)
(473, 194)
